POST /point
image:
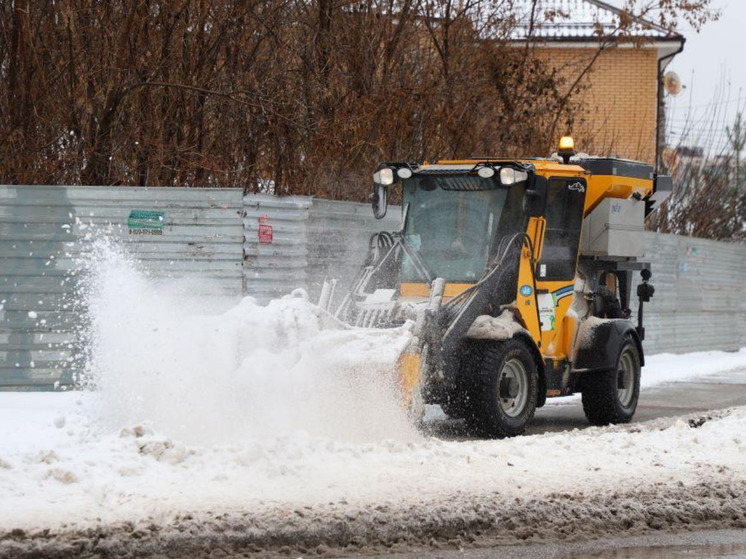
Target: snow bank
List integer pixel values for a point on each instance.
(669, 367)
(69, 479)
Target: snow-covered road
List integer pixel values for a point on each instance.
(59, 473)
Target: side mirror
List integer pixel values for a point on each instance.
(535, 200)
(380, 200)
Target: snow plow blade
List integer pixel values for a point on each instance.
(408, 377)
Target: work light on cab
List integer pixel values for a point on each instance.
(566, 148)
(384, 176)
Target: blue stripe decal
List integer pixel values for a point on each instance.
(562, 290)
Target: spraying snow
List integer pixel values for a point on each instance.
(252, 372)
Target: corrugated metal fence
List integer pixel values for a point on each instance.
(266, 246)
(339, 234)
(275, 244)
(298, 242)
(175, 232)
(700, 287)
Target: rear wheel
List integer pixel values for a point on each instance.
(611, 396)
(504, 388)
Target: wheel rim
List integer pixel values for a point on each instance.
(514, 371)
(626, 379)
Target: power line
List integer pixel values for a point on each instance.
(700, 129)
(703, 118)
(716, 103)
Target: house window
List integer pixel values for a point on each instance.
(564, 215)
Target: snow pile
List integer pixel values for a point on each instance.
(668, 367)
(503, 327)
(251, 372)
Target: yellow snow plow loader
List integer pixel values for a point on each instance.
(518, 275)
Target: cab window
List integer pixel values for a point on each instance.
(564, 215)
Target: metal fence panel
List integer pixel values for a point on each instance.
(275, 244)
(699, 292)
(184, 233)
(338, 237)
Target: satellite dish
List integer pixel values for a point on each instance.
(672, 83)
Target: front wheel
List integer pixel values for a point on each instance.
(611, 397)
(505, 388)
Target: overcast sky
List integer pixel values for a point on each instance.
(712, 69)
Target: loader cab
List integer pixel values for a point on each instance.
(456, 223)
(457, 213)
(459, 217)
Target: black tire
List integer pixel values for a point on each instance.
(611, 397)
(454, 407)
(498, 406)
(457, 403)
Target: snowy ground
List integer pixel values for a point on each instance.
(259, 430)
(59, 470)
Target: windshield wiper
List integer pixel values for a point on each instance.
(412, 252)
(414, 255)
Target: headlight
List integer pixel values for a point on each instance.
(486, 172)
(509, 176)
(404, 172)
(384, 176)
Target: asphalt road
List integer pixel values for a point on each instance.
(713, 392)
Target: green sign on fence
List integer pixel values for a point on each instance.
(146, 222)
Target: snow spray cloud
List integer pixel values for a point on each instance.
(252, 372)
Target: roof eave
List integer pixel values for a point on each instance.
(664, 45)
(673, 38)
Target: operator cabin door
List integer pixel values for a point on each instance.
(555, 275)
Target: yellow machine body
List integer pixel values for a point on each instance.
(556, 342)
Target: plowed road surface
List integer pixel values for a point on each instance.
(712, 392)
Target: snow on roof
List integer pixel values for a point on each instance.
(581, 20)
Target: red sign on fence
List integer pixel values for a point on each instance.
(265, 230)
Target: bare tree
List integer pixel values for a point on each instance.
(737, 140)
(291, 96)
(708, 200)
